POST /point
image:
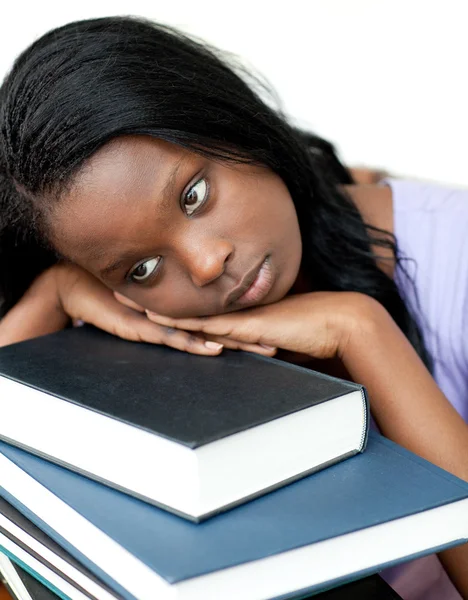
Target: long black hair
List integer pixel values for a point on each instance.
(81, 85)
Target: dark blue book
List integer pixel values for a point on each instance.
(377, 509)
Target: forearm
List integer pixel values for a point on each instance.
(406, 402)
(411, 410)
(37, 313)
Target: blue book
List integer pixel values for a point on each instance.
(374, 510)
(23, 586)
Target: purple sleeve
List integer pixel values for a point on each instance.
(431, 229)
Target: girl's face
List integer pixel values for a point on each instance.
(178, 233)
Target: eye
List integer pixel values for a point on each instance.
(195, 197)
(144, 270)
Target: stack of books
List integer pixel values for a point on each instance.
(134, 471)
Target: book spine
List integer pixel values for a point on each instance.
(365, 429)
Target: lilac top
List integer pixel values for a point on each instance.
(431, 229)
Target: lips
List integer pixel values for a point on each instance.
(254, 286)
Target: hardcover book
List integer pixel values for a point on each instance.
(380, 508)
(193, 434)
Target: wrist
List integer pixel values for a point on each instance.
(361, 326)
(64, 278)
(46, 287)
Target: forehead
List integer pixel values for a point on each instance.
(124, 177)
(129, 164)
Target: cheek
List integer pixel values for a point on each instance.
(280, 217)
(170, 300)
(263, 211)
(284, 233)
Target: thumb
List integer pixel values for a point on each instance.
(127, 302)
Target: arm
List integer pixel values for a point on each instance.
(37, 313)
(405, 400)
(409, 408)
(65, 292)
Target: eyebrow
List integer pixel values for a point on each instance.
(167, 193)
(168, 190)
(117, 264)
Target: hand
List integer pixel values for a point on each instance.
(318, 324)
(83, 297)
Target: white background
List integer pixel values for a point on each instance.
(386, 80)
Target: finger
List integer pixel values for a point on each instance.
(128, 324)
(127, 302)
(102, 310)
(215, 325)
(246, 347)
(238, 326)
(187, 341)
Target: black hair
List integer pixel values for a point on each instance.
(83, 84)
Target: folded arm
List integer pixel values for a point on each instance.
(37, 313)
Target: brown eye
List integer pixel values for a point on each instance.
(195, 197)
(144, 270)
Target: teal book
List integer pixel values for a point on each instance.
(377, 509)
(20, 584)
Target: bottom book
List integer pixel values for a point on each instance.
(20, 584)
(60, 572)
(47, 560)
(23, 586)
(353, 519)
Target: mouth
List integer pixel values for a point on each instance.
(254, 287)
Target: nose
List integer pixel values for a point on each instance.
(207, 259)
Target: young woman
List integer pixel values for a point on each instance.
(146, 188)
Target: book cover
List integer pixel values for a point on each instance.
(369, 588)
(32, 547)
(20, 584)
(188, 399)
(193, 434)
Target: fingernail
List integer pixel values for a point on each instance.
(150, 314)
(213, 345)
(267, 347)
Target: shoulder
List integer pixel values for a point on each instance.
(382, 204)
(430, 226)
(422, 216)
(375, 204)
